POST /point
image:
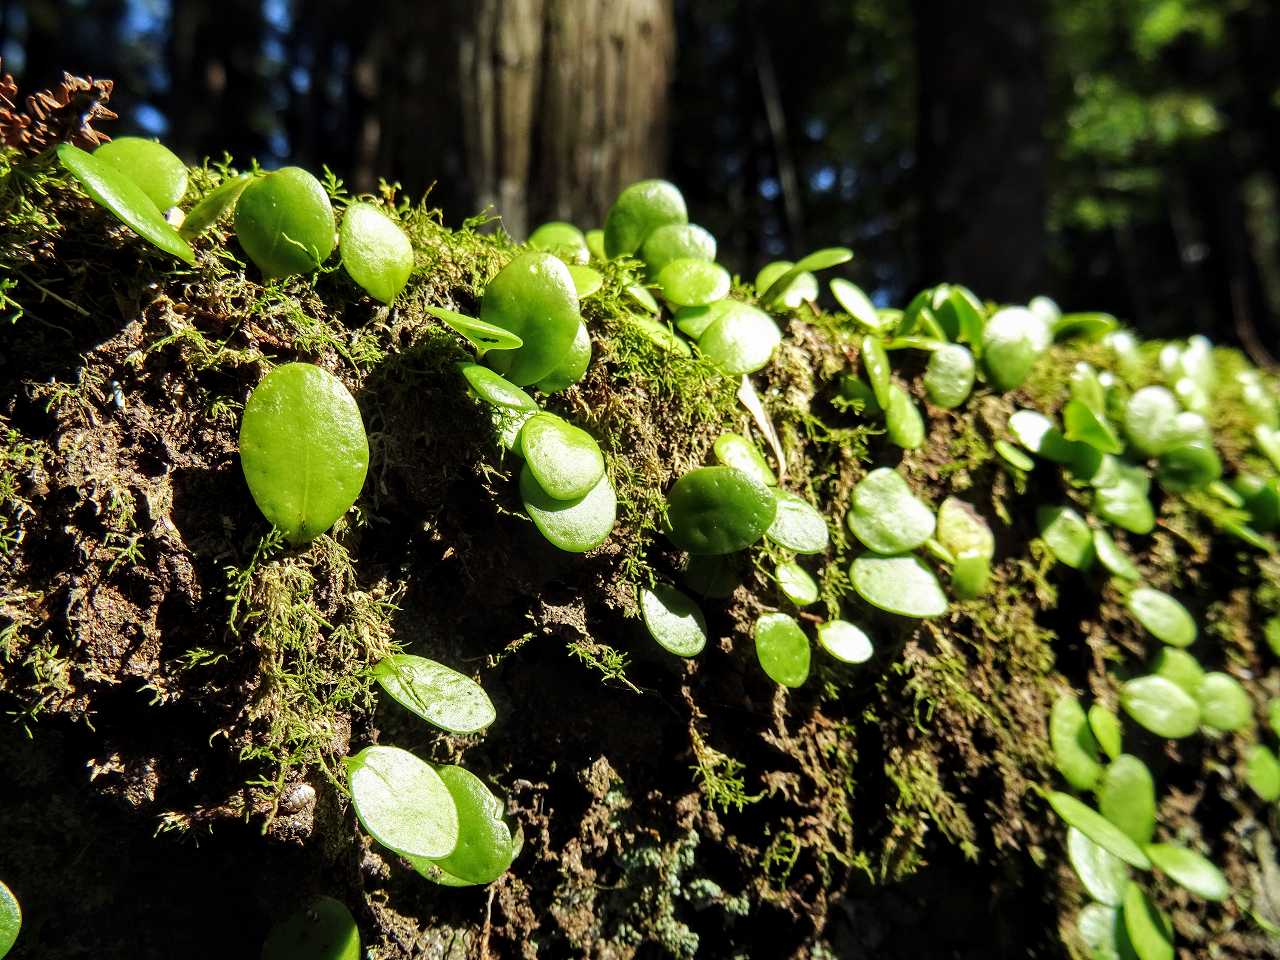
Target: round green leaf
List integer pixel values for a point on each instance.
(1106, 730)
(741, 340)
(1012, 341)
(565, 460)
(802, 288)
(322, 930)
(1125, 503)
(676, 241)
(694, 321)
(585, 280)
(511, 406)
(1149, 930)
(1075, 751)
(1262, 773)
(151, 165)
(1127, 797)
(485, 847)
(1067, 536)
(1180, 667)
(1273, 716)
(1190, 870)
(1189, 466)
(1161, 706)
(375, 252)
(639, 210)
(575, 526)
(10, 919)
(962, 530)
(1150, 420)
(901, 585)
(818, 260)
(1112, 557)
(563, 239)
(886, 516)
(574, 365)
(1098, 829)
(845, 641)
(783, 649)
(1099, 926)
(858, 306)
(1104, 875)
(213, 205)
(439, 695)
(1224, 704)
(796, 584)
(124, 199)
(797, 524)
(303, 449)
(970, 575)
(533, 297)
(1164, 617)
(595, 244)
(902, 419)
(948, 379)
(402, 802)
(714, 510)
(735, 450)
(673, 620)
(284, 221)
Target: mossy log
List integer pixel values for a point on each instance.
(180, 688)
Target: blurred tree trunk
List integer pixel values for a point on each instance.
(982, 164)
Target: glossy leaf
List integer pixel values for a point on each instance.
(713, 510)
(1112, 557)
(485, 846)
(511, 406)
(533, 297)
(442, 696)
(783, 649)
(694, 321)
(858, 306)
(886, 516)
(1189, 466)
(1180, 667)
(1127, 797)
(1037, 433)
(644, 298)
(1106, 730)
(903, 420)
(402, 802)
(1086, 425)
(1161, 706)
(285, 222)
(689, 282)
(676, 241)
(1150, 932)
(303, 449)
(818, 260)
(1189, 870)
(961, 315)
(1012, 341)
(211, 208)
(845, 641)
(1262, 773)
(797, 525)
(484, 336)
(961, 529)
(1150, 420)
(948, 379)
(796, 584)
(564, 459)
(151, 165)
(1099, 927)
(1125, 503)
(970, 575)
(673, 620)
(639, 210)
(10, 919)
(1013, 456)
(876, 362)
(563, 239)
(375, 252)
(1075, 751)
(801, 289)
(322, 930)
(741, 340)
(1224, 703)
(1098, 829)
(125, 200)
(1067, 536)
(573, 367)
(735, 450)
(1104, 875)
(1088, 326)
(574, 526)
(901, 585)
(1164, 617)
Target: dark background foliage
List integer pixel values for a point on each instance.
(1115, 154)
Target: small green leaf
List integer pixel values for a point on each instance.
(595, 244)
(10, 919)
(1087, 425)
(1262, 773)
(1098, 829)
(565, 460)
(1037, 433)
(962, 530)
(511, 406)
(1161, 706)
(1104, 875)
(533, 297)
(1012, 341)
(1099, 927)
(1190, 870)
(573, 367)
(901, 585)
(1112, 557)
(876, 362)
(796, 584)
(1164, 617)
(322, 930)
(858, 306)
(1180, 667)
(783, 649)
(125, 200)
(1067, 536)
(1150, 420)
(735, 450)
(1075, 751)
(886, 516)
(802, 289)
(213, 205)
(948, 379)
(961, 315)
(694, 321)
(818, 260)
(284, 221)
(714, 510)
(484, 336)
(676, 241)
(375, 252)
(1149, 930)
(741, 340)
(970, 575)
(644, 298)
(1088, 326)
(639, 210)
(574, 526)
(797, 524)
(903, 420)
(1224, 703)
(563, 239)
(1013, 456)
(845, 641)
(403, 802)
(439, 695)
(485, 847)
(1189, 466)
(1127, 797)
(688, 282)
(151, 165)
(303, 449)
(1125, 503)
(673, 620)
(1106, 730)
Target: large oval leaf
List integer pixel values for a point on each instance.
(402, 802)
(533, 297)
(375, 252)
(783, 649)
(438, 694)
(1161, 706)
(1224, 703)
(845, 641)
(691, 282)
(902, 585)
(639, 210)
(1104, 875)
(574, 526)
(1150, 932)
(322, 930)
(1190, 870)
(565, 460)
(741, 339)
(1067, 536)
(1166, 619)
(715, 510)
(1075, 751)
(285, 223)
(887, 516)
(1098, 829)
(676, 241)
(485, 846)
(1127, 797)
(673, 620)
(125, 200)
(797, 524)
(303, 449)
(151, 165)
